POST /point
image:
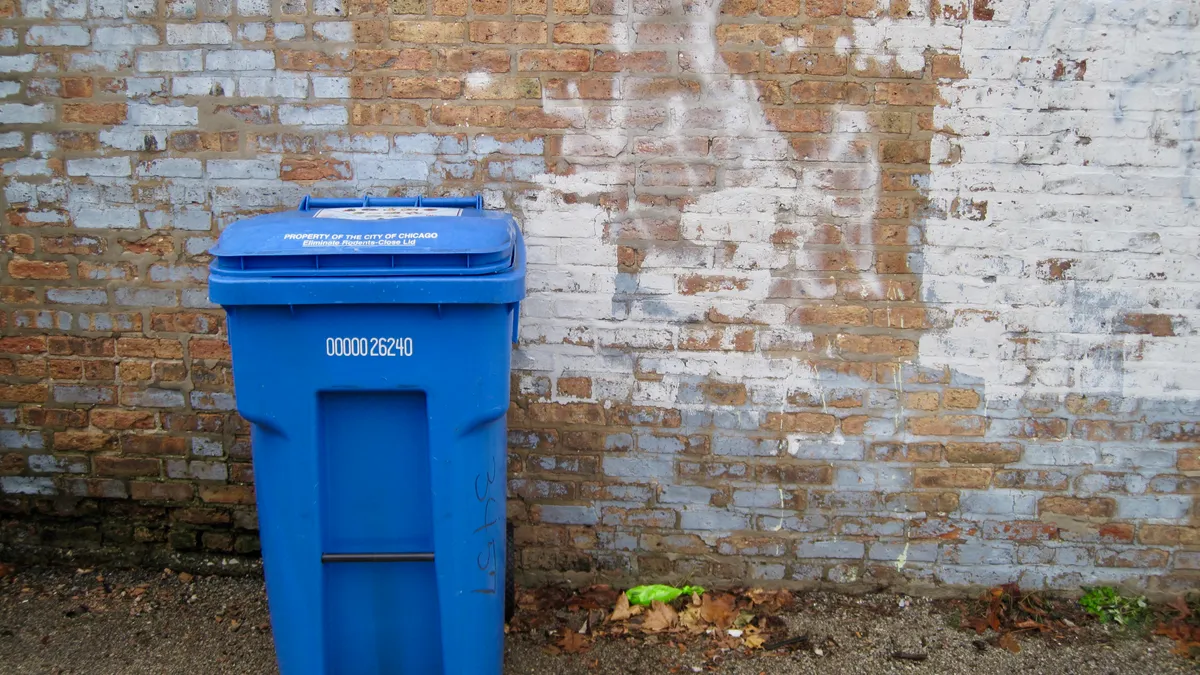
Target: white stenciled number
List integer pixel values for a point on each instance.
(374, 346)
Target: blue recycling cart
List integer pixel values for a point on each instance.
(371, 347)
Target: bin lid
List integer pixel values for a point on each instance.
(371, 236)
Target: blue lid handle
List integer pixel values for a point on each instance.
(310, 203)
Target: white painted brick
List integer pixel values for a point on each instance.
(334, 31)
(202, 86)
(329, 115)
(368, 168)
(257, 31)
(278, 86)
(8, 37)
(181, 9)
(22, 63)
(329, 7)
(191, 220)
(70, 9)
(136, 140)
(107, 9)
(35, 9)
(171, 167)
(12, 140)
(139, 35)
(108, 218)
(9, 88)
(163, 115)
(288, 31)
(244, 59)
(20, 113)
(58, 36)
(26, 166)
(170, 61)
(141, 8)
(198, 34)
(243, 168)
(331, 87)
(99, 166)
(253, 7)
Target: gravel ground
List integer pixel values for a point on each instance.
(60, 621)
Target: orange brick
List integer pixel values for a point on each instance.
(799, 120)
(424, 87)
(968, 478)
(583, 33)
(1169, 535)
(428, 32)
(450, 7)
(578, 387)
(948, 425)
(554, 60)
(314, 168)
(387, 114)
(477, 60)
(508, 32)
(1079, 507)
(572, 6)
(811, 423)
(94, 113)
(392, 59)
(779, 7)
(76, 87)
(470, 115)
(983, 453)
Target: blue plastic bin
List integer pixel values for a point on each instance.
(371, 346)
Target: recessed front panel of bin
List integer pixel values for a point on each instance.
(378, 406)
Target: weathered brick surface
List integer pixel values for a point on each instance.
(819, 291)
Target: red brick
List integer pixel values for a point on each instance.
(125, 467)
(32, 344)
(123, 419)
(227, 494)
(146, 444)
(83, 441)
(161, 492)
(37, 269)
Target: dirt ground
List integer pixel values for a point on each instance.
(64, 621)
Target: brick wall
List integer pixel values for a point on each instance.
(837, 291)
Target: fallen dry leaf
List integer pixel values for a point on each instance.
(718, 610)
(692, 620)
(1009, 642)
(753, 641)
(623, 611)
(574, 643)
(660, 617)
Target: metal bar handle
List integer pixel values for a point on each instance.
(375, 557)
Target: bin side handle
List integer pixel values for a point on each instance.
(375, 557)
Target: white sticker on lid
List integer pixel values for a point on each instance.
(385, 212)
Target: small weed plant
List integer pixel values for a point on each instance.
(1109, 606)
